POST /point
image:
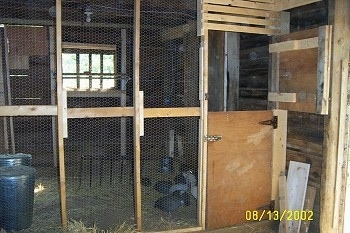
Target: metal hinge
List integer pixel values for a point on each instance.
(273, 122)
(212, 138)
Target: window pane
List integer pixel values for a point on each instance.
(108, 83)
(95, 83)
(108, 64)
(70, 84)
(96, 63)
(84, 84)
(84, 63)
(69, 61)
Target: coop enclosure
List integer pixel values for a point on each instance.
(69, 73)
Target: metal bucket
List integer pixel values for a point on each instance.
(16, 197)
(7, 160)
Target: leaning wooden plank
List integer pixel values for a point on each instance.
(240, 19)
(282, 97)
(69, 45)
(236, 28)
(282, 5)
(294, 45)
(242, 11)
(323, 69)
(308, 208)
(240, 3)
(283, 202)
(28, 110)
(59, 82)
(297, 179)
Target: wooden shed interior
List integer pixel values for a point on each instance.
(177, 115)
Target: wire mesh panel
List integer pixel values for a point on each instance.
(169, 150)
(99, 178)
(97, 50)
(27, 81)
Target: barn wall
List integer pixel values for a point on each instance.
(305, 130)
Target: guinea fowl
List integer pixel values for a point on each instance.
(172, 202)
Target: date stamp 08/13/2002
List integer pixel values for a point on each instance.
(289, 215)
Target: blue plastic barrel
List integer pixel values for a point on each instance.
(7, 160)
(16, 197)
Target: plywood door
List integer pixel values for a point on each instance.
(239, 166)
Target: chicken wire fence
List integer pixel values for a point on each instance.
(97, 65)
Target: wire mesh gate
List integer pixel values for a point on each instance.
(97, 72)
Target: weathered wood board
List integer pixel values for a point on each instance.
(297, 179)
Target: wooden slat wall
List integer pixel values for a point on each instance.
(257, 16)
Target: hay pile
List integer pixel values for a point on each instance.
(79, 227)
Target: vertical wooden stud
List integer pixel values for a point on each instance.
(279, 151)
(338, 17)
(9, 96)
(4, 138)
(62, 173)
(204, 131)
(123, 94)
(137, 151)
(52, 37)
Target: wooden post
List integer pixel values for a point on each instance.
(3, 126)
(137, 149)
(62, 173)
(53, 92)
(233, 48)
(123, 95)
(203, 130)
(330, 191)
(9, 96)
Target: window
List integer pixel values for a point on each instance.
(88, 71)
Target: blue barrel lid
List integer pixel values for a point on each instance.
(15, 171)
(15, 156)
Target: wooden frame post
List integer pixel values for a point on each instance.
(137, 116)
(62, 173)
(203, 126)
(4, 138)
(332, 208)
(123, 94)
(52, 37)
(9, 96)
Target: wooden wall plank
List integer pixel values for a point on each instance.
(240, 3)
(283, 203)
(323, 69)
(242, 11)
(286, 5)
(233, 59)
(240, 19)
(216, 60)
(282, 97)
(294, 45)
(236, 28)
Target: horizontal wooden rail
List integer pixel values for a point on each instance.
(294, 45)
(51, 110)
